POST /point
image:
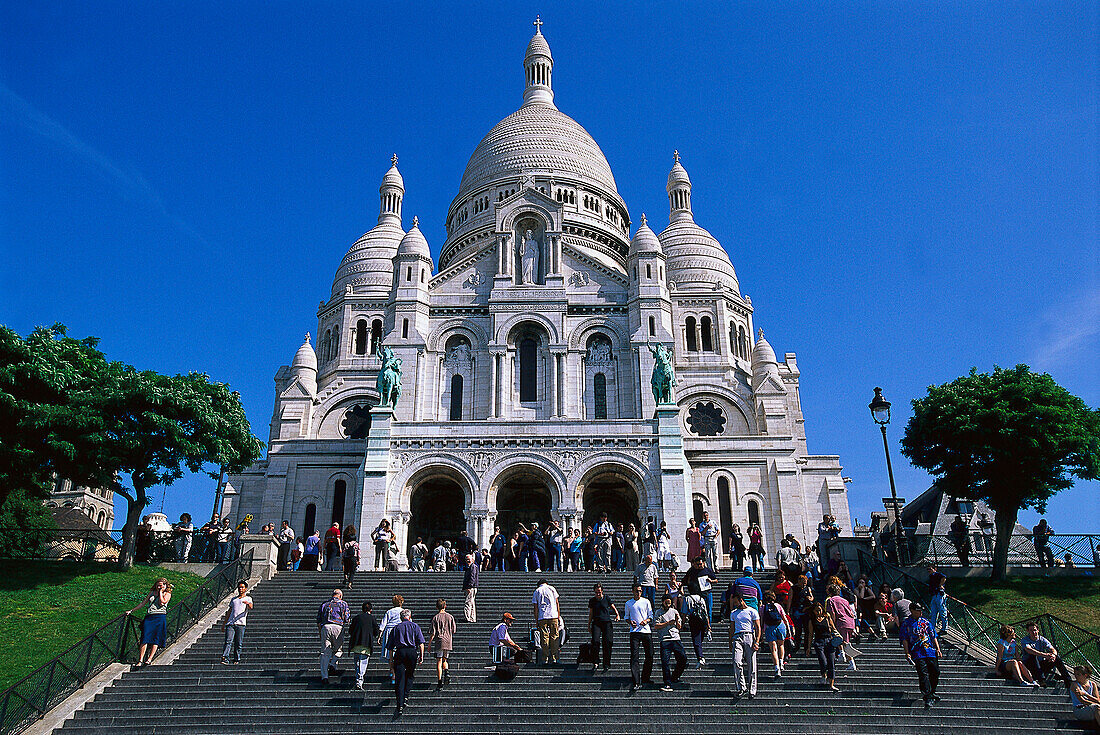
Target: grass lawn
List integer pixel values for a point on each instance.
(46, 607)
(1076, 599)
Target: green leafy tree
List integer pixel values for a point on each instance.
(46, 382)
(1012, 438)
(65, 410)
(153, 427)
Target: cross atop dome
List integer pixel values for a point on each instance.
(394, 159)
(538, 24)
(675, 157)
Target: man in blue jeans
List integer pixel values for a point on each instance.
(668, 625)
(234, 624)
(646, 575)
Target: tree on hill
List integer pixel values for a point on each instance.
(46, 381)
(1012, 438)
(65, 409)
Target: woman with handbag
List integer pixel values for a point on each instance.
(826, 642)
(756, 548)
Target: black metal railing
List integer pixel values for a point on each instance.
(29, 699)
(95, 544)
(976, 632)
(1077, 550)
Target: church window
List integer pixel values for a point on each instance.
(754, 513)
(456, 398)
(311, 519)
(335, 344)
(102, 518)
(735, 347)
(697, 508)
(706, 419)
(528, 370)
(743, 339)
(423, 275)
(356, 423)
(661, 272)
(361, 337)
(705, 333)
(404, 329)
(91, 511)
(339, 498)
(689, 335)
(409, 273)
(648, 271)
(375, 336)
(635, 273)
(725, 508)
(652, 327)
(599, 395)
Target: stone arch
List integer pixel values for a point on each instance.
(471, 330)
(614, 484)
(426, 467)
(505, 333)
(331, 490)
(332, 414)
(578, 338)
(435, 498)
(508, 215)
(543, 467)
(298, 514)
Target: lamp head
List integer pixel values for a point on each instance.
(880, 408)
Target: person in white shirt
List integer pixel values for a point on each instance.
(286, 540)
(544, 603)
(744, 643)
(234, 624)
(639, 612)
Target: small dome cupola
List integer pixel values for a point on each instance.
(304, 367)
(679, 191)
(538, 65)
(414, 243)
(764, 363)
(392, 191)
(644, 240)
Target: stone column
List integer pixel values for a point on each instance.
(374, 471)
(399, 522)
(265, 554)
(553, 369)
(675, 490)
(509, 255)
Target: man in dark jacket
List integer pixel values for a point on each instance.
(469, 588)
(537, 544)
(364, 630)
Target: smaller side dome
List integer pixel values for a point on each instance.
(414, 243)
(305, 358)
(764, 364)
(644, 240)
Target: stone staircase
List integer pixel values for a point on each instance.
(276, 688)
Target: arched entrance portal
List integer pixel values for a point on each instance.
(613, 493)
(524, 498)
(438, 511)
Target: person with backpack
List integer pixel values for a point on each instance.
(350, 556)
(773, 616)
(698, 620)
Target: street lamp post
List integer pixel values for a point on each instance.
(880, 412)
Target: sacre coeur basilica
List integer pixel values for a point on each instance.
(550, 365)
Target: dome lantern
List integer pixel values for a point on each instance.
(538, 66)
(679, 191)
(392, 191)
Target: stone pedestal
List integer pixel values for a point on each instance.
(675, 476)
(374, 472)
(265, 554)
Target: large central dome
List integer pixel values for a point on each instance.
(537, 138)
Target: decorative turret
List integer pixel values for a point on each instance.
(412, 268)
(392, 191)
(644, 240)
(414, 243)
(304, 367)
(538, 65)
(764, 364)
(679, 191)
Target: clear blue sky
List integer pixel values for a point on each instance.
(906, 190)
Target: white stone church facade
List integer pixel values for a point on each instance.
(526, 365)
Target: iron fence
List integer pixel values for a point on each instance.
(95, 544)
(1065, 550)
(978, 633)
(29, 699)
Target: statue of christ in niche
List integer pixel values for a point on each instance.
(528, 258)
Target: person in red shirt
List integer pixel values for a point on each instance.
(333, 548)
(782, 589)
